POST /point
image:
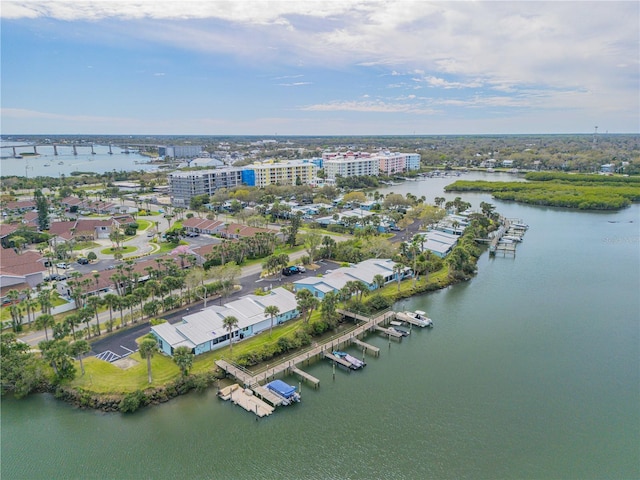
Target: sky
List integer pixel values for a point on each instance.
(330, 67)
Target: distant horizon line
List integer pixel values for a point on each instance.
(415, 135)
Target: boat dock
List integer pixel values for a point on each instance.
(305, 376)
(246, 399)
(375, 351)
(338, 360)
(512, 230)
(253, 381)
(391, 333)
(268, 395)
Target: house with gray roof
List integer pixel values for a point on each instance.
(364, 271)
(204, 331)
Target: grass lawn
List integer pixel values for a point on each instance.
(123, 250)
(143, 224)
(85, 245)
(104, 377)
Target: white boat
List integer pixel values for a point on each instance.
(418, 318)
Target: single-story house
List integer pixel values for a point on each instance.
(18, 270)
(365, 271)
(204, 331)
(202, 225)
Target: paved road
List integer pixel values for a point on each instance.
(123, 343)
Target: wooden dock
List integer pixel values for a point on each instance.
(246, 399)
(305, 376)
(391, 333)
(338, 360)
(375, 351)
(315, 352)
(267, 395)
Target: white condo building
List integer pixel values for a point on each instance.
(185, 185)
(350, 166)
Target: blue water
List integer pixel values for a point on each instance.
(532, 371)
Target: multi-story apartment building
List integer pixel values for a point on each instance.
(350, 166)
(413, 161)
(185, 185)
(298, 172)
(180, 151)
(391, 163)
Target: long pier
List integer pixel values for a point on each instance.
(292, 365)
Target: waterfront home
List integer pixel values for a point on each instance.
(439, 243)
(204, 331)
(364, 271)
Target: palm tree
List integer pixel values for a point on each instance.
(78, 349)
(183, 357)
(148, 348)
(378, 281)
(110, 300)
(398, 269)
(44, 321)
(95, 302)
(272, 311)
(230, 323)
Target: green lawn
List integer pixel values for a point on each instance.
(143, 224)
(104, 377)
(85, 245)
(123, 250)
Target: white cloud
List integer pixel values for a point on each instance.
(368, 106)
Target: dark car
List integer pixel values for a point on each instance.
(83, 261)
(290, 271)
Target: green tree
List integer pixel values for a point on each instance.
(42, 206)
(183, 357)
(147, 349)
(58, 354)
(230, 323)
(78, 349)
(20, 370)
(306, 303)
(45, 321)
(273, 311)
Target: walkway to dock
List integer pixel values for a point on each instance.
(291, 365)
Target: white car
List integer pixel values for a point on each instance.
(63, 266)
(301, 269)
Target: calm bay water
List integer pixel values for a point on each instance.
(531, 371)
(50, 165)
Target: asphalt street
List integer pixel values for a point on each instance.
(123, 343)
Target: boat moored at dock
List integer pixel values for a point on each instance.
(285, 391)
(418, 318)
(356, 363)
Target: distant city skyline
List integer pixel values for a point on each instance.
(319, 67)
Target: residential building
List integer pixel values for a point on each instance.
(364, 271)
(205, 331)
(20, 271)
(185, 185)
(297, 172)
(351, 166)
(180, 151)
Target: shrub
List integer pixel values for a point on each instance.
(131, 402)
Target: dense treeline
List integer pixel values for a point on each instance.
(582, 178)
(578, 194)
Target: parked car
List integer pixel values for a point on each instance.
(62, 265)
(301, 268)
(290, 271)
(83, 261)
